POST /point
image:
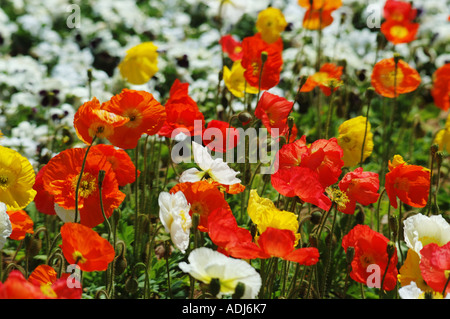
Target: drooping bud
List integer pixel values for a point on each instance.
(239, 291)
(214, 286)
(390, 249)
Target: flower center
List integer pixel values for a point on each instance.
(6, 179)
(135, 117)
(88, 184)
(399, 31)
(78, 257)
(390, 80)
(197, 208)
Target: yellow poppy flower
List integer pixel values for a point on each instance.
(140, 63)
(235, 81)
(17, 178)
(264, 213)
(410, 271)
(350, 139)
(270, 23)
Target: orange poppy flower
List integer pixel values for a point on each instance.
(410, 183)
(252, 48)
(317, 19)
(399, 31)
(328, 76)
(43, 275)
(21, 223)
(399, 10)
(91, 120)
(441, 87)
(145, 114)
(370, 249)
(388, 84)
(43, 200)
(204, 197)
(231, 47)
(120, 161)
(320, 4)
(85, 247)
(182, 112)
(61, 177)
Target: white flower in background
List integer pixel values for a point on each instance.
(216, 169)
(5, 225)
(411, 291)
(421, 230)
(206, 264)
(174, 215)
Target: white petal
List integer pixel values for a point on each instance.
(5, 225)
(410, 291)
(421, 230)
(191, 175)
(202, 156)
(66, 215)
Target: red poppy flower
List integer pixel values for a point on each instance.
(46, 277)
(399, 10)
(399, 31)
(280, 243)
(144, 113)
(21, 223)
(204, 197)
(231, 47)
(323, 157)
(237, 242)
(302, 182)
(441, 87)
(252, 48)
(61, 177)
(85, 247)
(120, 161)
(231, 239)
(328, 76)
(273, 111)
(409, 183)
(220, 136)
(386, 83)
(17, 287)
(435, 266)
(182, 112)
(370, 249)
(43, 200)
(360, 187)
(91, 120)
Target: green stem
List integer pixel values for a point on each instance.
(365, 132)
(80, 177)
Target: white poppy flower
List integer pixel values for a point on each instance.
(5, 225)
(206, 264)
(174, 215)
(216, 169)
(421, 230)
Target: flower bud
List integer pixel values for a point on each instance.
(316, 217)
(214, 286)
(390, 249)
(290, 122)
(239, 291)
(131, 285)
(264, 56)
(120, 264)
(244, 117)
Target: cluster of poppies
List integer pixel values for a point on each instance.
(82, 186)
